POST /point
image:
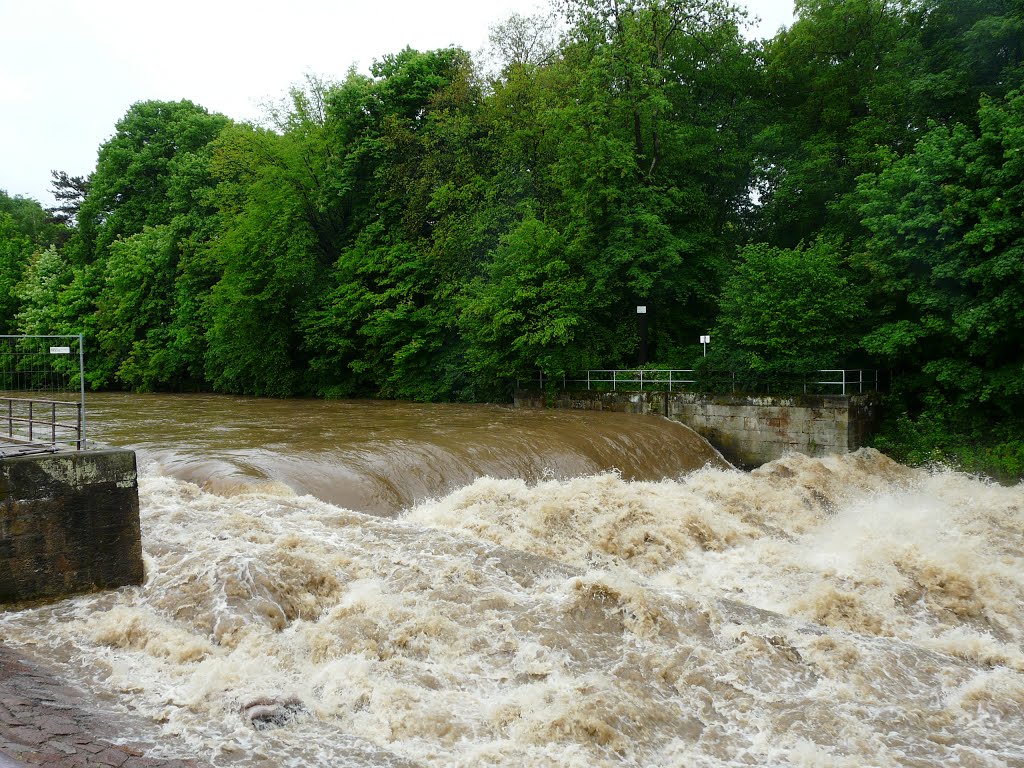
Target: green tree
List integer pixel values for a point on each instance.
(15, 250)
(267, 255)
(419, 226)
(649, 164)
(40, 310)
(138, 181)
(789, 311)
(153, 173)
(853, 82)
(946, 254)
(529, 312)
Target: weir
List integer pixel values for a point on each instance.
(748, 430)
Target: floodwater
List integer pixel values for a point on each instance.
(380, 584)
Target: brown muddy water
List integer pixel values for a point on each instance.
(376, 584)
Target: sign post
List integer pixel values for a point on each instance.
(705, 340)
(641, 313)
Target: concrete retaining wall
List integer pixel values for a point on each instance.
(749, 431)
(69, 523)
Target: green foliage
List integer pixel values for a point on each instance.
(947, 258)
(266, 252)
(45, 277)
(528, 313)
(15, 250)
(132, 307)
(931, 439)
(29, 220)
(789, 310)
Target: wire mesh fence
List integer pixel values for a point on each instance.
(42, 394)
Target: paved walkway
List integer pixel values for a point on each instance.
(43, 722)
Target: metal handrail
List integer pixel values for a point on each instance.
(31, 418)
(845, 382)
(848, 380)
(637, 376)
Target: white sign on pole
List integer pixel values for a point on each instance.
(705, 339)
(641, 310)
(60, 350)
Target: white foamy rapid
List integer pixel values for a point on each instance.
(817, 612)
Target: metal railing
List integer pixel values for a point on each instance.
(42, 393)
(638, 379)
(859, 378)
(42, 423)
(825, 381)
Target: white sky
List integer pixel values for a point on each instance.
(70, 69)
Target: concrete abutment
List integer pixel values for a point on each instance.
(69, 523)
(748, 430)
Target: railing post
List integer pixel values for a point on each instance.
(30, 436)
(53, 423)
(588, 380)
(613, 381)
(81, 389)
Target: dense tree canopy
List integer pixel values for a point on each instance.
(849, 192)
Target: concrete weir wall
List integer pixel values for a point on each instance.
(748, 430)
(69, 523)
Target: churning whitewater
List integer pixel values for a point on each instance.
(845, 611)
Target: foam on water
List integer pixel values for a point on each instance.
(817, 612)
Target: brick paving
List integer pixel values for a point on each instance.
(43, 722)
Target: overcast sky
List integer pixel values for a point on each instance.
(70, 69)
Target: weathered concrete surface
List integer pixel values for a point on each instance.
(69, 523)
(748, 430)
(43, 722)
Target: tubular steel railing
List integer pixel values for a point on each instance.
(33, 422)
(850, 379)
(825, 381)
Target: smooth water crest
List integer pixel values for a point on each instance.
(376, 584)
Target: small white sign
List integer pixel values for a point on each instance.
(705, 339)
(641, 310)
(60, 350)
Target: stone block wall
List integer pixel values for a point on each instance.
(69, 523)
(749, 431)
